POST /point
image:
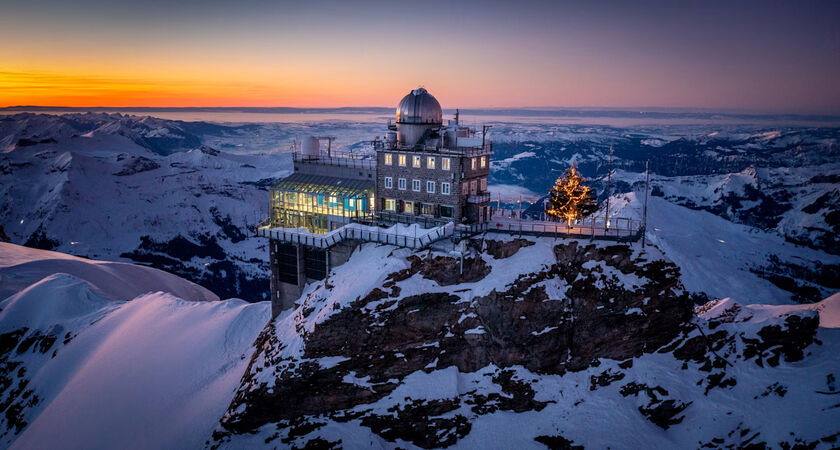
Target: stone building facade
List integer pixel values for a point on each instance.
(443, 184)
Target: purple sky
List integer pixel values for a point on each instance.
(751, 55)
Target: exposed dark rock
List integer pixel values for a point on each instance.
(505, 249)
(137, 165)
(557, 443)
(605, 378)
(417, 423)
(776, 341)
(3, 236)
(39, 239)
(664, 414)
(447, 271)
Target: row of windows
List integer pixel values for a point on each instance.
(483, 161)
(431, 161)
(409, 207)
(402, 184)
(416, 161)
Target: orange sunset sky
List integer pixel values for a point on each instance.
(768, 56)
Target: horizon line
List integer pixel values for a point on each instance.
(640, 109)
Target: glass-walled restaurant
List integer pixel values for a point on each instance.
(319, 203)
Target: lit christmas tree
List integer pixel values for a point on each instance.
(570, 199)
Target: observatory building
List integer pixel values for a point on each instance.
(423, 171)
(427, 169)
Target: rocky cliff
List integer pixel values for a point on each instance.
(532, 335)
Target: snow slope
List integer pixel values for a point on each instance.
(716, 256)
(90, 371)
(23, 266)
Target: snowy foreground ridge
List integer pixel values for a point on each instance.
(103, 355)
(539, 343)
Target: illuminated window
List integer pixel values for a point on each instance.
(483, 162)
(430, 187)
(402, 184)
(415, 161)
(401, 160)
(428, 209)
(320, 200)
(472, 161)
(390, 204)
(430, 162)
(415, 185)
(444, 188)
(389, 159)
(389, 183)
(409, 207)
(483, 184)
(444, 163)
(333, 201)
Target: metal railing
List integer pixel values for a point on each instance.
(390, 218)
(358, 161)
(479, 198)
(460, 151)
(619, 229)
(356, 231)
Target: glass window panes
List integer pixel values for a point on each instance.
(389, 183)
(430, 187)
(401, 160)
(444, 188)
(409, 207)
(483, 184)
(416, 161)
(483, 161)
(430, 162)
(402, 184)
(415, 185)
(390, 204)
(444, 163)
(389, 159)
(472, 161)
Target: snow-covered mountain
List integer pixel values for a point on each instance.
(97, 354)
(539, 343)
(128, 189)
(159, 192)
(776, 179)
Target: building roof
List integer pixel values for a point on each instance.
(321, 184)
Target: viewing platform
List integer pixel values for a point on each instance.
(412, 236)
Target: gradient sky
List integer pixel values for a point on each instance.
(752, 55)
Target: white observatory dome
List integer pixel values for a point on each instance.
(419, 107)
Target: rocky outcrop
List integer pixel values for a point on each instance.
(599, 317)
(505, 249)
(617, 305)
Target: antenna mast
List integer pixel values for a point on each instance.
(609, 175)
(483, 134)
(644, 208)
